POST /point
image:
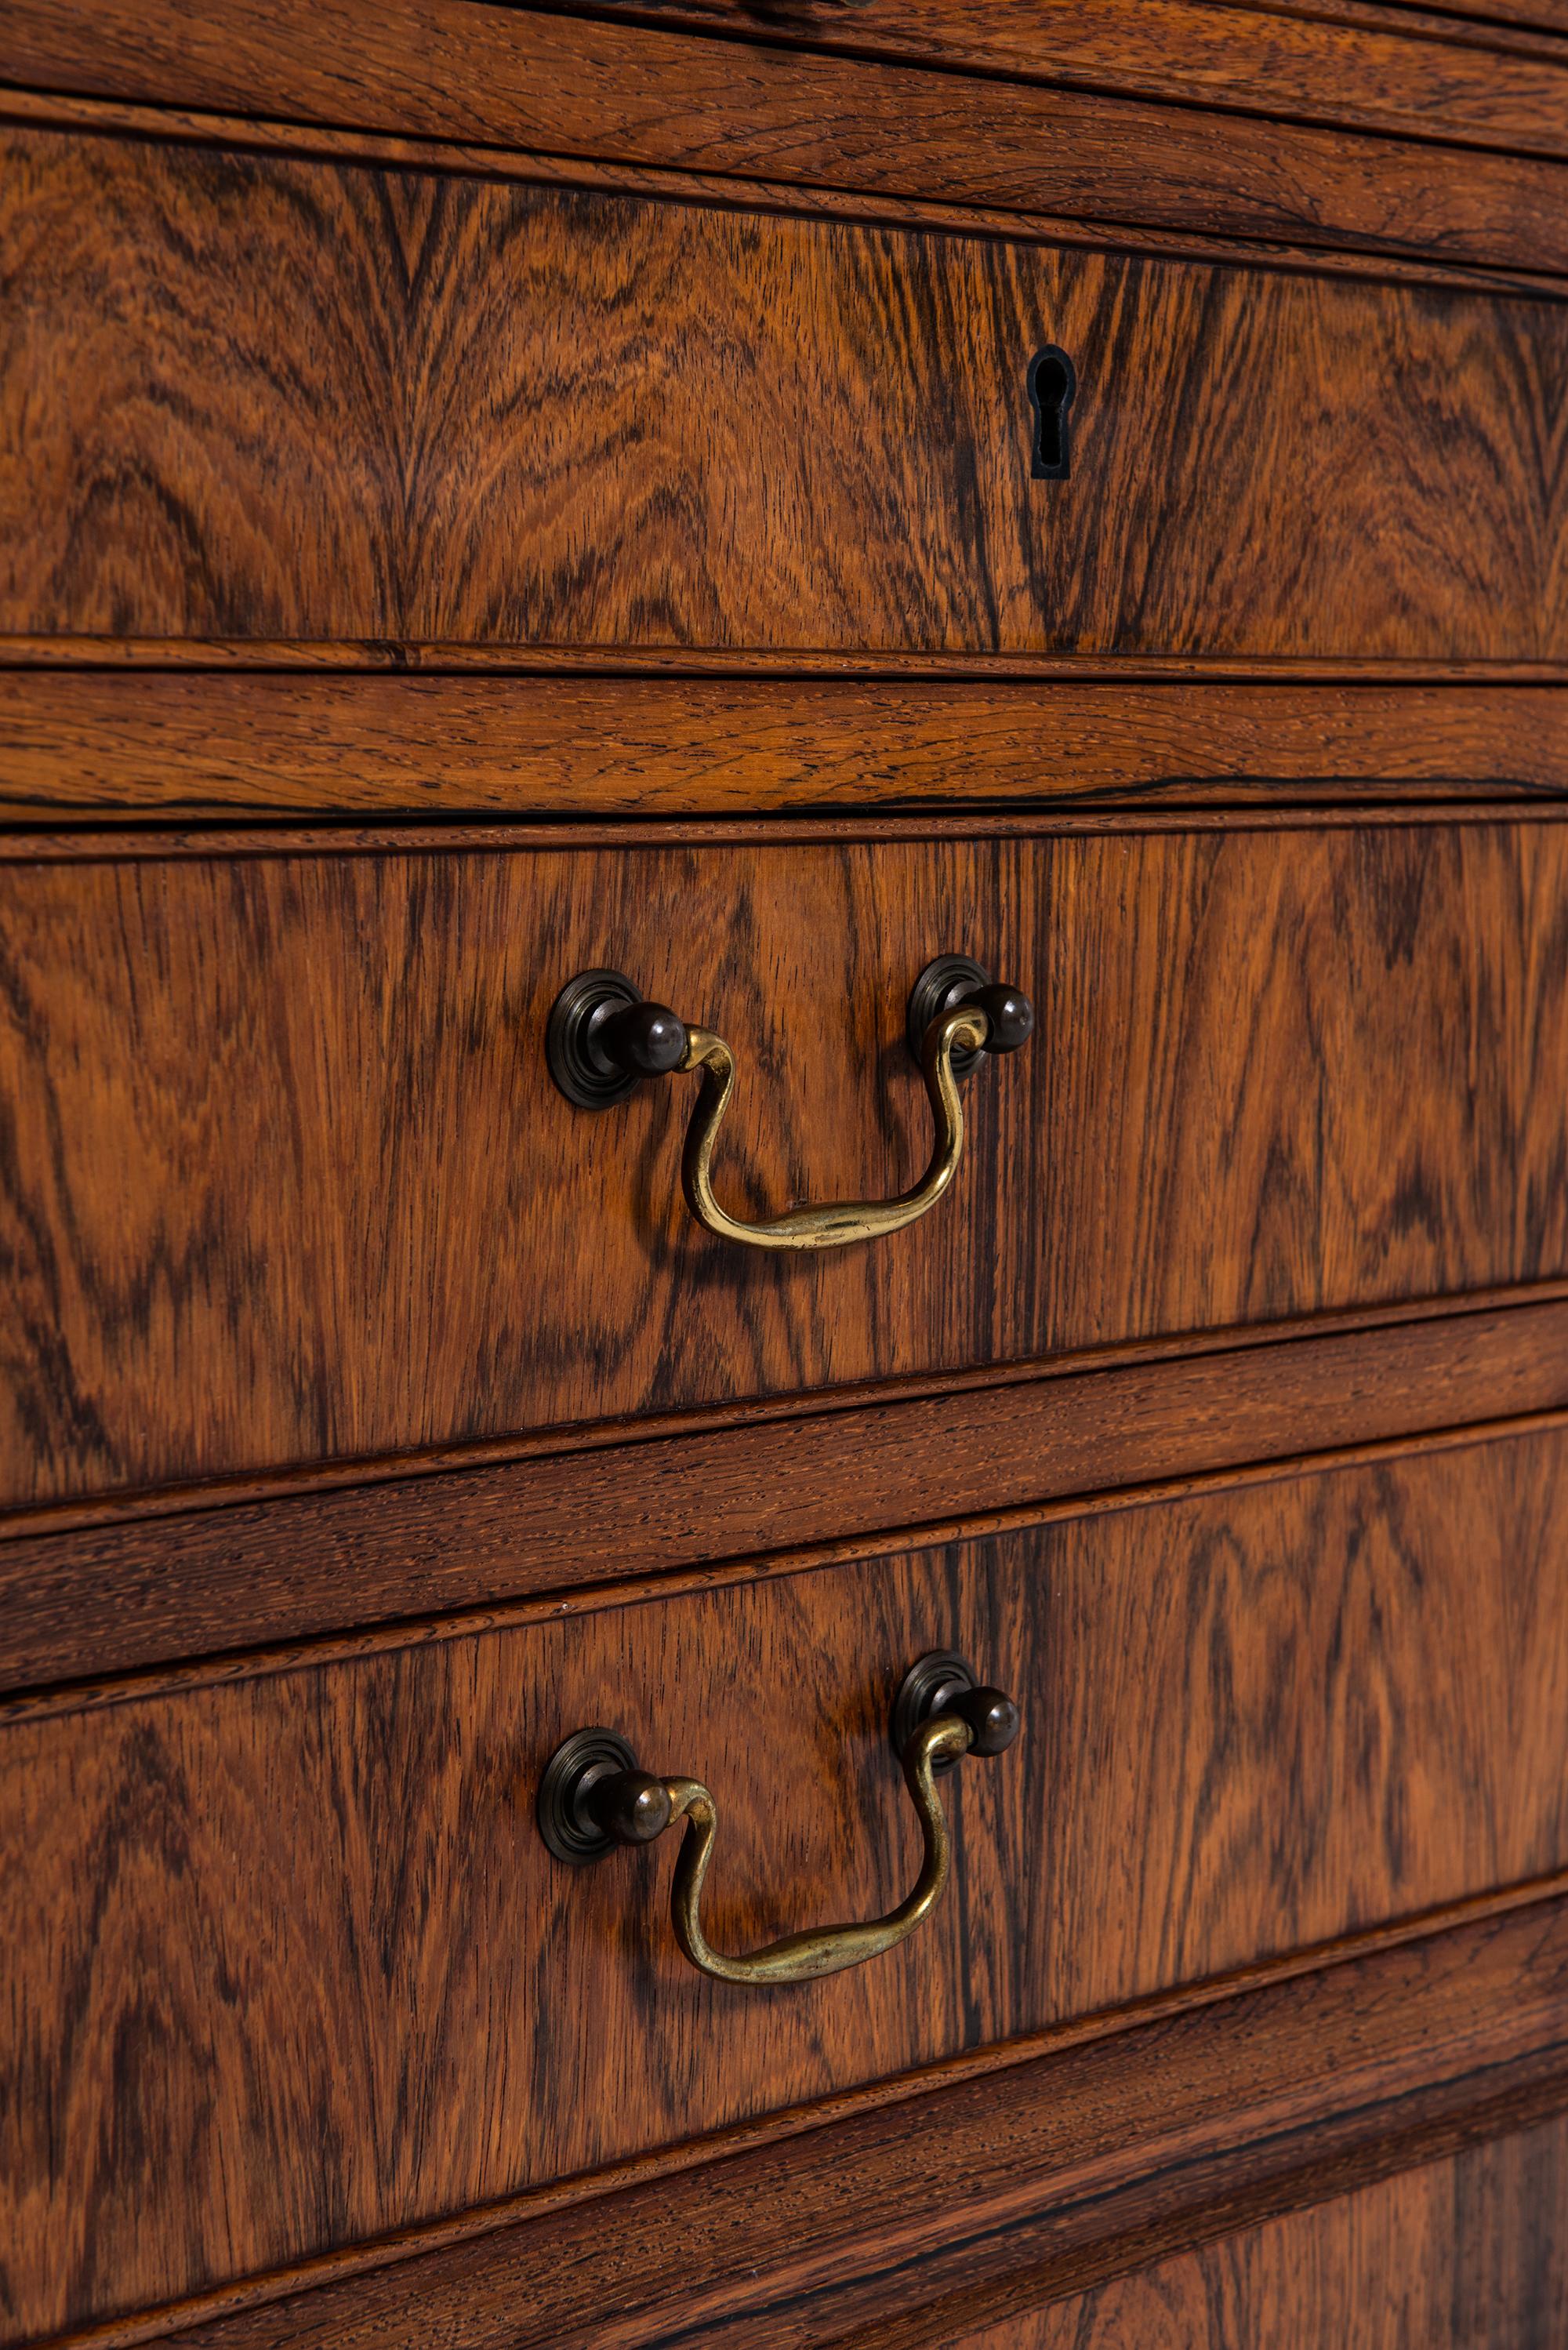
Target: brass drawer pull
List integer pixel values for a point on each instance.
(594, 1796)
(604, 1038)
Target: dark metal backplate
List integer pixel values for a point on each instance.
(939, 986)
(587, 1755)
(925, 1682)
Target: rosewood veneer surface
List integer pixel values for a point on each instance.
(294, 744)
(488, 491)
(290, 1180)
(608, 91)
(292, 399)
(1090, 2153)
(299, 1923)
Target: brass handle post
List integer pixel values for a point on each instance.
(604, 1039)
(595, 1796)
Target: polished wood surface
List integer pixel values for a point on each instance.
(404, 657)
(287, 1179)
(1419, 264)
(1379, 68)
(992, 2193)
(298, 1970)
(733, 1501)
(1547, 15)
(487, 490)
(1467, 2255)
(742, 430)
(523, 78)
(84, 742)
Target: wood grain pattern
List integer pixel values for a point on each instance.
(293, 400)
(284, 1178)
(1546, 16)
(987, 2193)
(203, 743)
(114, 843)
(413, 657)
(1375, 67)
(297, 1971)
(794, 199)
(1465, 2255)
(523, 78)
(524, 340)
(106, 1598)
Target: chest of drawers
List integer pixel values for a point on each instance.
(623, 1720)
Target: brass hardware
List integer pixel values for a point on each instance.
(593, 1797)
(839, 1222)
(602, 1037)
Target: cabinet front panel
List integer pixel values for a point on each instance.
(283, 1176)
(290, 400)
(299, 1968)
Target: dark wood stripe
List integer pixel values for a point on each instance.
(205, 742)
(797, 199)
(248, 656)
(841, 376)
(521, 77)
(1469, 2249)
(1427, 73)
(750, 1412)
(992, 2194)
(345, 1241)
(1550, 17)
(109, 1598)
(229, 844)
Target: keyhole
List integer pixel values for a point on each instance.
(1051, 383)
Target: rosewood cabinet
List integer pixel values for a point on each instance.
(783, 1175)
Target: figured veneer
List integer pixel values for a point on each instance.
(1348, 63)
(370, 1418)
(796, 199)
(1528, 16)
(295, 399)
(76, 742)
(977, 2201)
(1466, 2253)
(298, 1970)
(523, 78)
(284, 1178)
(562, 1530)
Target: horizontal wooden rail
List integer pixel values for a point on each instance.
(999, 2191)
(727, 1505)
(79, 744)
(521, 78)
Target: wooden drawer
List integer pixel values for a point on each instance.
(286, 1178)
(293, 400)
(298, 1970)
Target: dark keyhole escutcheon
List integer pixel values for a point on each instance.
(1053, 380)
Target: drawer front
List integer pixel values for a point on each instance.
(293, 400)
(286, 1177)
(1256, 1718)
